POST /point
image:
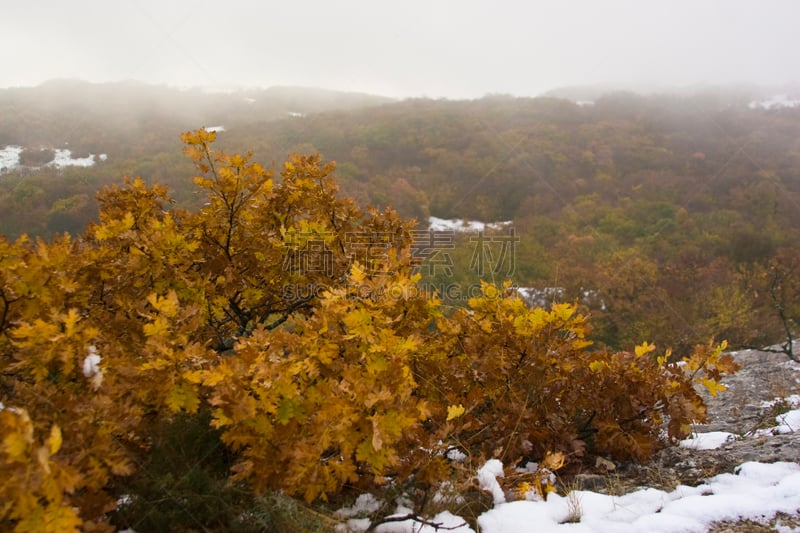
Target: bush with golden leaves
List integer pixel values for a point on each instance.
(321, 376)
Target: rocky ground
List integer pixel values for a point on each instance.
(740, 410)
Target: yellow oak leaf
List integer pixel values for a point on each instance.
(54, 440)
(597, 366)
(644, 348)
(183, 398)
(713, 386)
(15, 445)
(454, 411)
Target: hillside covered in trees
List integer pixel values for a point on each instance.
(672, 218)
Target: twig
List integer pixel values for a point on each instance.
(416, 518)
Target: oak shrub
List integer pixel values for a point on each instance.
(359, 381)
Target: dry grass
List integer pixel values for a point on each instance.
(575, 511)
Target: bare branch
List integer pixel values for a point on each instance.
(416, 518)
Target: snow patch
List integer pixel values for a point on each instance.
(544, 296)
(707, 441)
(9, 158)
(64, 158)
(787, 422)
(793, 401)
(779, 101)
(214, 129)
(91, 363)
(756, 491)
(91, 367)
(444, 521)
(456, 455)
(474, 226)
(487, 479)
(365, 504)
(541, 297)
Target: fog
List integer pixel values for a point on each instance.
(458, 49)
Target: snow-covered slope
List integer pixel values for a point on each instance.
(778, 101)
(10, 158)
(452, 224)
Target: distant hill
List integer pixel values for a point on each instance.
(80, 113)
(728, 94)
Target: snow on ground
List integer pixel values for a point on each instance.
(487, 479)
(788, 422)
(214, 128)
(444, 521)
(9, 158)
(543, 297)
(707, 441)
(792, 401)
(755, 491)
(64, 159)
(451, 224)
(776, 102)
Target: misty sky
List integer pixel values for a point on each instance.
(456, 49)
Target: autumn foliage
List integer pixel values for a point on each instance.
(341, 376)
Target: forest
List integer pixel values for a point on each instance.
(677, 212)
(247, 295)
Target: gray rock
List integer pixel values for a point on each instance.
(740, 410)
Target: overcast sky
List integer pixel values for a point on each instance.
(456, 49)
